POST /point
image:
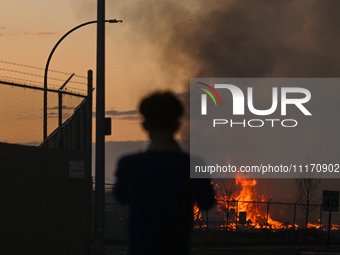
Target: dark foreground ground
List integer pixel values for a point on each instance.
(257, 250)
(248, 243)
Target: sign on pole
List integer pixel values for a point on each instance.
(76, 169)
(243, 217)
(330, 201)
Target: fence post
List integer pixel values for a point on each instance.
(88, 143)
(60, 120)
(329, 229)
(207, 221)
(237, 215)
(60, 113)
(294, 219)
(227, 215)
(320, 216)
(89, 110)
(295, 214)
(267, 229)
(267, 212)
(320, 222)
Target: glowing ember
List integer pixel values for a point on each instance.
(197, 213)
(317, 226)
(335, 227)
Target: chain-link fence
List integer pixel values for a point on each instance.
(264, 221)
(21, 114)
(21, 110)
(257, 222)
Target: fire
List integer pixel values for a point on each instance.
(316, 226)
(256, 214)
(197, 213)
(324, 227)
(335, 227)
(236, 200)
(238, 197)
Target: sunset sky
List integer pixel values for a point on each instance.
(30, 29)
(161, 44)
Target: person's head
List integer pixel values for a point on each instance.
(161, 112)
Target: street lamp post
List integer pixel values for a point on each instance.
(49, 60)
(99, 244)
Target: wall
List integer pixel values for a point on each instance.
(116, 219)
(43, 210)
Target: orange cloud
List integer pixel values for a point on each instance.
(8, 34)
(41, 33)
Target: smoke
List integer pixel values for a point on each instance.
(165, 43)
(221, 38)
(243, 38)
(232, 38)
(224, 38)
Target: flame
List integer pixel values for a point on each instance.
(239, 195)
(316, 226)
(197, 213)
(335, 227)
(256, 213)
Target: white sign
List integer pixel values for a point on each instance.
(330, 201)
(76, 169)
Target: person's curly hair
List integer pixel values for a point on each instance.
(161, 110)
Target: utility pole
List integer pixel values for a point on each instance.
(99, 242)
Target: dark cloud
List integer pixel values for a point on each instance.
(259, 39)
(120, 113)
(55, 115)
(64, 107)
(136, 117)
(114, 113)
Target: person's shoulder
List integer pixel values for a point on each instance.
(131, 158)
(185, 156)
(163, 152)
(178, 155)
(150, 155)
(128, 164)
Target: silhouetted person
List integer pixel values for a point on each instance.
(156, 184)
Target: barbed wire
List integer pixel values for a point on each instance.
(72, 89)
(51, 78)
(81, 92)
(39, 68)
(19, 79)
(39, 82)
